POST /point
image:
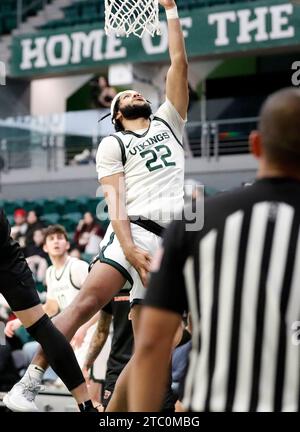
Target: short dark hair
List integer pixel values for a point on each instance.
(55, 229)
(280, 128)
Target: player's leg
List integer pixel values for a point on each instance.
(100, 286)
(20, 293)
(151, 242)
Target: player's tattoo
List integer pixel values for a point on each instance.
(99, 338)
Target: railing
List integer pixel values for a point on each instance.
(53, 142)
(213, 139)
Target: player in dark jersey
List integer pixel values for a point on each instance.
(18, 288)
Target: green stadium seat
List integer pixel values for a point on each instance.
(61, 201)
(92, 204)
(32, 205)
(10, 207)
(51, 207)
(83, 200)
(51, 218)
(40, 201)
(19, 203)
(72, 206)
(10, 219)
(91, 11)
(69, 224)
(8, 12)
(74, 216)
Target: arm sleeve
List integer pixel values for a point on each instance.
(109, 158)
(79, 271)
(168, 112)
(167, 285)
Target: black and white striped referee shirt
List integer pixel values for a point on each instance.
(240, 279)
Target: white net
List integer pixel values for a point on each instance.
(124, 17)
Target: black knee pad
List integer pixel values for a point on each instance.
(58, 351)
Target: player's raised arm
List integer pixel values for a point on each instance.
(177, 78)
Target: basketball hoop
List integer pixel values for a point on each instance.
(125, 17)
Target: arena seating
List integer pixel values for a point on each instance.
(66, 211)
(80, 12)
(8, 12)
(91, 11)
(62, 210)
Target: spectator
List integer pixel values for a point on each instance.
(103, 93)
(18, 231)
(33, 223)
(36, 257)
(88, 234)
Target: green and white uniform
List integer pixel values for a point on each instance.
(152, 161)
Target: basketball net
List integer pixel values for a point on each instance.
(125, 17)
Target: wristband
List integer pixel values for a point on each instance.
(172, 13)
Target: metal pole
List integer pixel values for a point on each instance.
(204, 134)
(215, 132)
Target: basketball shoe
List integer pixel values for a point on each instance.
(21, 397)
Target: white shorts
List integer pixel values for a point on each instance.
(111, 253)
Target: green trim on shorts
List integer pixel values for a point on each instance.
(113, 263)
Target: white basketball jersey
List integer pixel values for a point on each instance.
(153, 164)
(64, 284)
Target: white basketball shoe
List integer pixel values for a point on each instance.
(21, 397)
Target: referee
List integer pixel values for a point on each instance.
(240, 279)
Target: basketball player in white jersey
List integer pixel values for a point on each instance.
(141, 169)
(64, 279)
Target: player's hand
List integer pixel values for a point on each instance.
(78, 338)
(11, 327)
(140, 259)
(98, 406)
(167, 4)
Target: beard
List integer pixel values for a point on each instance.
(135, 112)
